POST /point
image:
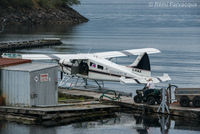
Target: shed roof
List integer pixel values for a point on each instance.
(29, 67)
(9, 62)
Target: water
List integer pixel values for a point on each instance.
(170, 26)
(123, 124)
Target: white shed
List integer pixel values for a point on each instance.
(30, 84)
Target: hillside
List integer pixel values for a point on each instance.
(39, 12)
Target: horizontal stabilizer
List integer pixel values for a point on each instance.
(165, 77)
(144, 80)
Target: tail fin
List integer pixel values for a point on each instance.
(142, 62)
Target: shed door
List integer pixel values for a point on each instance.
(44, 87)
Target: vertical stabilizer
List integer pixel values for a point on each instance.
(142, 62)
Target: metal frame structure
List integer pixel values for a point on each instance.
(76, 81)
(163, 106)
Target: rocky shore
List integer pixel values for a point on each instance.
(63, 15)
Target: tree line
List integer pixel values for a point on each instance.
(37, 3)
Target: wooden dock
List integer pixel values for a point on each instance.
(57, 115)
(5, 46)
(88, 109)
(127, 102)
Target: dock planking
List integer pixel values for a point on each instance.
(60, 114)
(5, 46)
(127, 102)
(84, 111)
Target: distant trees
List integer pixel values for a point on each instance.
(16, 3)
(57, 3)
(37, 3)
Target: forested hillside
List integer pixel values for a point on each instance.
(37, 3)
(39, 12)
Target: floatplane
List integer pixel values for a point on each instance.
(99, 67)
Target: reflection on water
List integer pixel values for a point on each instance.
(123, 123)
(37, 29)
(30, 32)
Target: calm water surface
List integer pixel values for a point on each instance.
(122, 124)
(171, 26)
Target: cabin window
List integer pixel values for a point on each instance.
(100, 67)
(92, 64)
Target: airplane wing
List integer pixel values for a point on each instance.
(113, 54)
(143, 80)
(44, 56)
(110, 54)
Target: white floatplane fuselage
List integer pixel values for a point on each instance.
(102, 69)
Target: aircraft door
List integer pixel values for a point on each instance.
(83, 67)
(80, 67)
